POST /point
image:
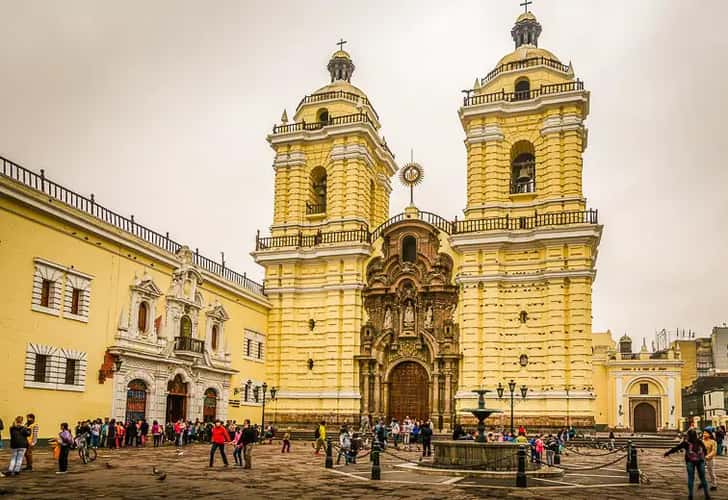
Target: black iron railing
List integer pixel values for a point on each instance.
(315, 208)
(363, 235)
(336, 120)
(336, 94)
(41, 183)
(525, 63)
(525, 95)
(189, 344)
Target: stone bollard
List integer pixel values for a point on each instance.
(521, 480)
(329, 455)
(634, 469)
(376, 470)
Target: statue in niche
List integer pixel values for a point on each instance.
(387, 319)
(409, 314)
(428, 318)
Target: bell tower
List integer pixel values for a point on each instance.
(332, 184)
(528, 242)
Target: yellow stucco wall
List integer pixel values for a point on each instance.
(113, 259)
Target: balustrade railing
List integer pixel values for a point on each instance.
(189, 344)
(90, 206)
(336, 94)
(525, 63)
(315, 208)
(336, 120)
(506, 223)
(525, 95)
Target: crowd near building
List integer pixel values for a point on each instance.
(362, 314)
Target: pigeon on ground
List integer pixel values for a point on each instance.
(162, 476)
(180, 453)
(109, 466)
(155, 471)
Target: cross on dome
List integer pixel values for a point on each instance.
(341, 43)
(525, 5)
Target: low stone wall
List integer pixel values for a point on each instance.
(484, 456)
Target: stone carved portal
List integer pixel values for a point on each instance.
(409, 345)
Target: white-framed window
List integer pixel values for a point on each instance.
(254, 346)
(48, 367)
(47, 285)
(77, 296)
(250, 392)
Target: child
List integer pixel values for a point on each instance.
(286, 441)
(238, 450)
(18, 444)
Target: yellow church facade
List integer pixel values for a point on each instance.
(363, 314)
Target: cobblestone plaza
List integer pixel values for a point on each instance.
(128, 474)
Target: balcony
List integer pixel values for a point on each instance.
(336, 94)
(337, 120)
(188, 344)
(315, 208)
(525, 95)
(525, 63)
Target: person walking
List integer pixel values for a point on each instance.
(95, 433)
(238, 447)
(19, 435)
(219, 437)
(406, 432)
(321, 437)
(249, 437)
(711, 448)
(144, 431)
(32, 440)
(286, 441)
(695, 453)
(65, 441)
(2, 428)
(719, 438)
(426, 436)
(344, 446)
(156, 434)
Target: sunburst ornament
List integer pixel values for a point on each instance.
(411, 174)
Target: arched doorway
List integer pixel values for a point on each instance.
(209, 405)
(176, 399)
(409, 391)
(645, 418)
(136, 400)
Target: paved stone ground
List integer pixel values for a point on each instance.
(128, 474)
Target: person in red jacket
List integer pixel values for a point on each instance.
(219, 437)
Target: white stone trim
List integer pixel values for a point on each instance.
(351, 152)
(530, 204)
(562, 123)
(556, 234)
(45, 270)
(291, 159)
(257, 344)
(490, 132)
(294, 254)
(77, 281)
(55, 375)
(527, 106)
(485, 278)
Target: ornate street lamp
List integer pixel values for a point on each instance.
(512, 389)
(273, 391)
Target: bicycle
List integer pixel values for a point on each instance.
(86, 453)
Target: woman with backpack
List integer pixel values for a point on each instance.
(695, 453)
(18, 444)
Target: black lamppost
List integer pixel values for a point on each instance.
(512, 388)
(256, 393)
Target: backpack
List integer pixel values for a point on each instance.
(694, 453)
(317, 432)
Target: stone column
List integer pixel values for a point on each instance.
(365, 389)
(448, 395)
(618, 401)
(377, 394)
(435, 408)
(385, 399)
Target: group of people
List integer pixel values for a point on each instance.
(23, 439)
(700, 457)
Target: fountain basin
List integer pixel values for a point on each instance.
(464, 454)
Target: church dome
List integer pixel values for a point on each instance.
(527, 52)
(526, 16)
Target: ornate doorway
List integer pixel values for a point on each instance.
(176, 399)
(136, 401)
(409, 392)
(209, 405)
(409, 354)
(645, 418)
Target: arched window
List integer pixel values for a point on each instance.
(136, 400)
(209, 405)
(213, 337)
(185, 326)
(317, 195)
(523, 89)
(523, 168)
(322, 115)
(409, 249)
(142, 316)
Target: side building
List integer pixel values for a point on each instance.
(103, 317)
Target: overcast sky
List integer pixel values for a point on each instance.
(161, 109)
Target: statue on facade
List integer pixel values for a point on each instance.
(387, 319)
(409, 314)
(428, 318)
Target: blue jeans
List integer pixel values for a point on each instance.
(700, 467)
(16, 459)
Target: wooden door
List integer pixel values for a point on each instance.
(645, 418)
(136, 400)
(409, 392)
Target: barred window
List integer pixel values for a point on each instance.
(70, 371)
(254, 346)
(45, 293)
(75, 300)
(48, 367)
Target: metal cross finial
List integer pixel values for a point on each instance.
(341, 43)
(525, 5)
